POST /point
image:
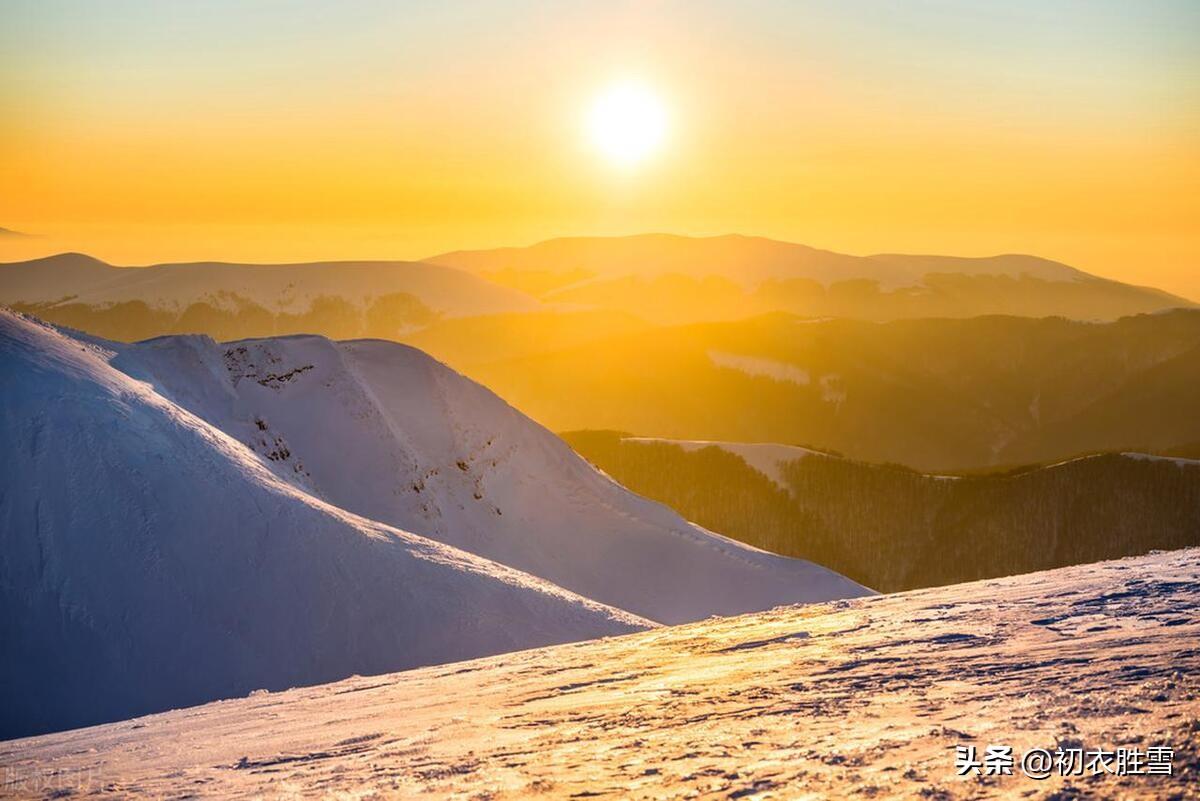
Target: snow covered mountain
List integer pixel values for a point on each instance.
(867, 698)
(185, 521)
(386, 432)
(149, 561)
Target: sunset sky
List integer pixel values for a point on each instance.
(142, 131)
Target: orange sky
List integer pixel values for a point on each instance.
(142, 132)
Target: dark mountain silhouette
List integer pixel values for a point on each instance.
(896, 529)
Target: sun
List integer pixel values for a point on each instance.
(627, 123)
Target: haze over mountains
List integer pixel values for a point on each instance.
(676, 279)
(275, 287)
(339, 299)
(659, 278)
(896, 529)
(935, 395)
(747, 259)
(179, 523)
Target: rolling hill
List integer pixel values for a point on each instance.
(676, 279)
(747, 259)
(339, 299)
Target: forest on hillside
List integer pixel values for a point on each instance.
(892, 528)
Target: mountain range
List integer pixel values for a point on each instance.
(677, 279)
(896, 529)
(935, 395)
(184, 521)
(338, 299)
(656, 278)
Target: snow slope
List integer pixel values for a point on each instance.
(148, 560)
(275, 287)
(386, 432)
(858, 699)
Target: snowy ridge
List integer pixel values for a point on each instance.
(386, 432)
(866, 698)
(152, 561)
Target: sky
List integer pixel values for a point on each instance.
(142, 131)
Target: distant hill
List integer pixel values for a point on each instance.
(338, 299)
(746, 259)
(935, 395)
(676, 279)
(896, 529)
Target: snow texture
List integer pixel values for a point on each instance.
(864, 698)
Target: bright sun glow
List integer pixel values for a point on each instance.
(627, 123)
